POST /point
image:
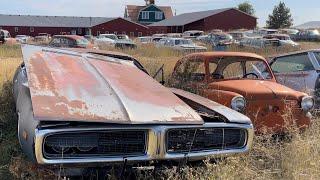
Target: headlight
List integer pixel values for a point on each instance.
(238, 103)
(307, 103)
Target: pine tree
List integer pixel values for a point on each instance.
(280, 17)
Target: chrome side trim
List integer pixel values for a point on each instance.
(156, 144)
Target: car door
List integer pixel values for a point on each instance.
(295, 71)
(190, 75)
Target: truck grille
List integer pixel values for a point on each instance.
(204, 139)
(104, 143)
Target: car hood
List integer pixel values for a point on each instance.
(257, 89)
(72, 86)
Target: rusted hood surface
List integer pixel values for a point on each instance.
(256, 89)
(73, 86)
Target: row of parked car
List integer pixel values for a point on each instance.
(84, 107)
(220, 40)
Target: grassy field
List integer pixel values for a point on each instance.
(297, 158)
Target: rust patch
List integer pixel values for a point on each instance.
(136, 85)
(63, 88)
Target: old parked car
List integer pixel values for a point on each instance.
(90, 108)
(181, 44)
(42, 38)
(70, 41)
(216, 39)
(144, 40)
(113, 41)
(5, 38)
(244, 82)
(300, 71)
(23, 38)
(284, 39)
(308, 35)
(259, 43)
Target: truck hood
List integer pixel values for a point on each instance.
(72, 86)
(257, 89)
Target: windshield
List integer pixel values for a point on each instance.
(231, 68)
(224, 68)
(317, 55)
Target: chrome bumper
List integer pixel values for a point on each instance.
(156, 144)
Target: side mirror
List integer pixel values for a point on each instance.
(160, 70)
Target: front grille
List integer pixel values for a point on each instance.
(103, 143)
(204, 139)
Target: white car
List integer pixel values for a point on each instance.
(105, 39)
(22, 38)
(284, 39)
(181, 44)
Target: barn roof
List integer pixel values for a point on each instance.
(133, 11)
(51, 21)
(187, 18)
(309, 25)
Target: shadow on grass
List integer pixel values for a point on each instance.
(9, 145)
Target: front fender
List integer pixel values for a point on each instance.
(231, 115)
(220, 96)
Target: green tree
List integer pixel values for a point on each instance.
(246, 7)
(280, 17)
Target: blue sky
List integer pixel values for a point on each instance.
(302, 11)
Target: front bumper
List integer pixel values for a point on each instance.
(156, 145)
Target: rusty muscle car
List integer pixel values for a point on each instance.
(244, 82)
(85, 108)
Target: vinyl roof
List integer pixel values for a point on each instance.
(187, 18)
(51, 21)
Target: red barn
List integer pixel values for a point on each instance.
(224, 19)
(54, 25)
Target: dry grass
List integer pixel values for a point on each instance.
(294, 158)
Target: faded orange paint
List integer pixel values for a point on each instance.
(266, 100)
(74, 86)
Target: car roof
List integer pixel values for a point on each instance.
(296, 52)
(227, 54)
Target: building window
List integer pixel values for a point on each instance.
(115, 32)
(79, 31)
(139, 34)
(159, 15)
(98, 33)
(107, 32)
(31, 29)
(131, 34)
(16, 29)
(145, 15)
